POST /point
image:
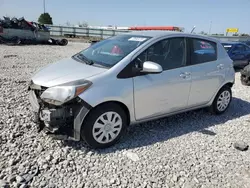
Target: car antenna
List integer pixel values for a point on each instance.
(193, 29)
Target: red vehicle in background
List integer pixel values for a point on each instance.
(162, 28)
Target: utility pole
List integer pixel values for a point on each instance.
(44, 6)
(210, 27)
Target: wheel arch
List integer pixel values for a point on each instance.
(227, 84)
(122, 105)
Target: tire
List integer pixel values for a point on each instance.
(89, 126)
(245, 76)
(16, 40)
(218, 109)
(62, 42)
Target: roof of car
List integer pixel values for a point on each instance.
(153, 33)
(231, 42)
(165, 33)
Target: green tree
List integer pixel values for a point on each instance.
(45, 18)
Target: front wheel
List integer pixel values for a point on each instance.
(104, 126)
(221, 101)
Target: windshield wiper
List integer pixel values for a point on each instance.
(87, 61)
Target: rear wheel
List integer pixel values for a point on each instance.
(63, 42)
(221, 101)
(104, 126)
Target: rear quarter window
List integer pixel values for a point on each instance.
(203, 51)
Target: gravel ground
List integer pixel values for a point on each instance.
(193, 149)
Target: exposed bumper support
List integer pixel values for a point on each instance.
(62, 123)
(78, 122)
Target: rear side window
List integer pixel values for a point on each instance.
(202, 51)
(239, 47)
(247, 48)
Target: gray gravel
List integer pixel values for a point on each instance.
(193, 149)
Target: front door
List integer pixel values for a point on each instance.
(166, 92)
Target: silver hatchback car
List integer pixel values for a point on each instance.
(130, 78)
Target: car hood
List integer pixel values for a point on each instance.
(64, 71)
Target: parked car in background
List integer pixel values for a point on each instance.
(20, 31)
(239, 52)
(247, 42)
(130, 78)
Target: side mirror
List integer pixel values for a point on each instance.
(151, 67)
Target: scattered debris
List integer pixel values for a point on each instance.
(245, 76)
(175, 178)
(4, 184)
(19, 180)
(242, 146)
(20, 31)
(21, 23)
(7, 56)
(132, 156)
(20, 81)
(208, 132)
(94, 41)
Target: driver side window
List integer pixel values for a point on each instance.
(169, 53)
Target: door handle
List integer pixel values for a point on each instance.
(220, 66)
(185, 74)
(182, 75)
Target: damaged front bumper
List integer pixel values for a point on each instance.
(61, 122)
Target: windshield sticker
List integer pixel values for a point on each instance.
(228, 46)
(137, 39)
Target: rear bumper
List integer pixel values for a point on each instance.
(62, 122)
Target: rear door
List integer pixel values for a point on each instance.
(207, 73)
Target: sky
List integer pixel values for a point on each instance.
(219, 14)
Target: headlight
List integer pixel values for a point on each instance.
(60, 94)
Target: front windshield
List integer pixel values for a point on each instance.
(110, 51)
(227, 46)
